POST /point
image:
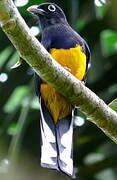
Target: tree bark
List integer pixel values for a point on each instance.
(50, 71)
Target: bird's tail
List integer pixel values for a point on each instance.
(56, 148)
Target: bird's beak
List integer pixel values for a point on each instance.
(34, 9)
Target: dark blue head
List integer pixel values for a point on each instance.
(48, 14)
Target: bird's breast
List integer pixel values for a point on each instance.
(74, 60)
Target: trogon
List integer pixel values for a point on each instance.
(70, 50)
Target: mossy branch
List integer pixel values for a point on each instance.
(50, 71)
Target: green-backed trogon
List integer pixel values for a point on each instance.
(70, 50)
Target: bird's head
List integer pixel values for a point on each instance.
(48, 14)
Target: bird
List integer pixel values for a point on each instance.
(71, 51)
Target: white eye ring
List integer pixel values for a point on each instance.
(51, 8)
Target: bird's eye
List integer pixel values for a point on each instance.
(51, 8)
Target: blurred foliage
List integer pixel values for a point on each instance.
(113, 104)
(95, 155)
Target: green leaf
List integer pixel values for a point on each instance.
(101, 11)
(113, 105)
(18, 63)
(101, 7)
(12, 60)
(109, 42)
(34, 104)
(16, 98)
(12, 129)
(4, 55)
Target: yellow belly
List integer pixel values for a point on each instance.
(74, 60)
(57, 104)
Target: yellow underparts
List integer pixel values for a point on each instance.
(74, 60)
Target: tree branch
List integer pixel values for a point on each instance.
(50, 71)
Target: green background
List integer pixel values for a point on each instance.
(95, 155)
